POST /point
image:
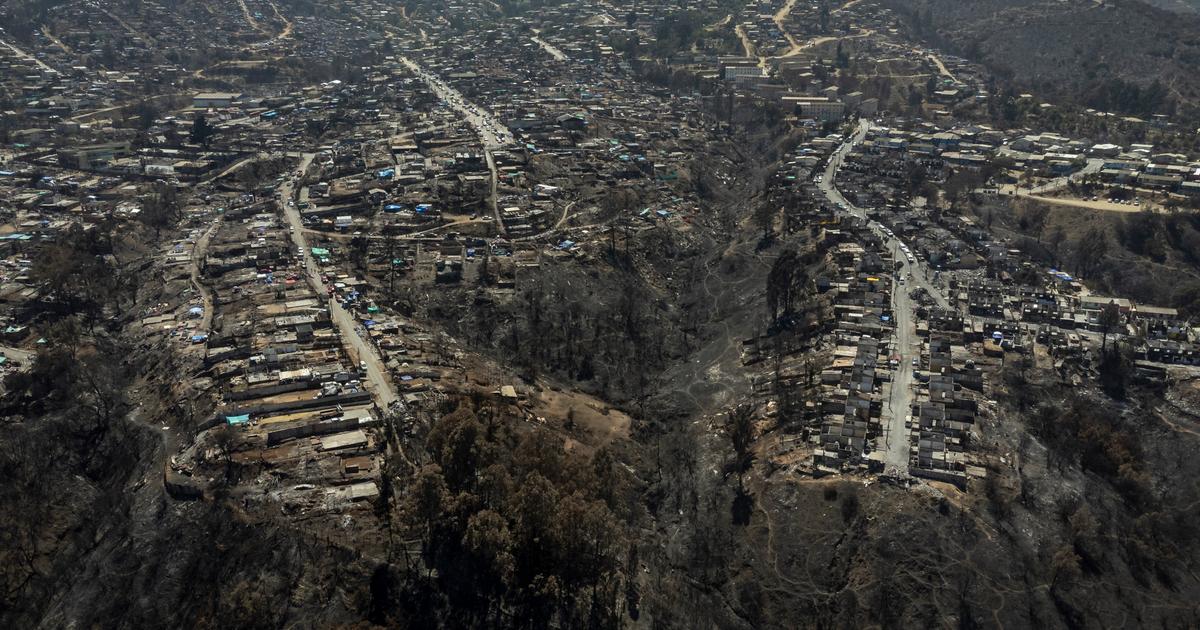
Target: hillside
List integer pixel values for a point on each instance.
(1181, 6)
(1123, 56)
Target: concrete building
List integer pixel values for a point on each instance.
(205, 100)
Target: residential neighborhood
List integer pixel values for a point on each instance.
(729, 314)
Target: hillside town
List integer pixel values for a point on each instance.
(361, 268)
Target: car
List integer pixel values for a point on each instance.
(916, 362)
(362, 365)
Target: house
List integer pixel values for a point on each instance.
(820, 108)
(1098, 302)
(86, 157)
(1159, 313)
(205, 100)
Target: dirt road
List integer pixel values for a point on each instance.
(199, 250)
(1099, 204)
(748, 46)
(780, 18)
(16, 354)
(937, 61)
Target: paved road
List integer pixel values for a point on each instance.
(900, 397)
(352, 335)
(900, 400)
(494, 192)
(1093, 166)
(550, 48)
(492, 133)
(921, 274)
(125, 25)
(21, 53)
